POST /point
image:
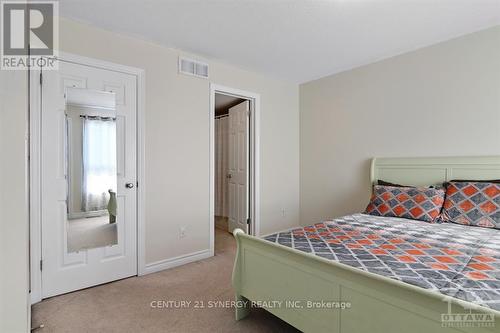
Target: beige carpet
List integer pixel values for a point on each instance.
(124, 306)
(92, 232)
(222, 222)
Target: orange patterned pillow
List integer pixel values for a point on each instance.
(473, 203)
(408, 202)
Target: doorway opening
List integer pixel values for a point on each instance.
(234, 163)
(223, 172)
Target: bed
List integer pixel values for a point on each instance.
(316, 290)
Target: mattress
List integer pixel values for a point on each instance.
(452, 259)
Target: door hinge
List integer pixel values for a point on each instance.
(248, 221)
(41, 79)
(41, 264)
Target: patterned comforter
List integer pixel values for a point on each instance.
(455, 260)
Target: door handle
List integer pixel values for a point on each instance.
(129, 185)
(229, 176)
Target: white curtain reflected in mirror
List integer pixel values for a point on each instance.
(91, 162)
(99, 162)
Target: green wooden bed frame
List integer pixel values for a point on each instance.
(282, 280)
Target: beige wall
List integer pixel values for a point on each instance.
(14, 308)
(177, 139)
(442, 100)
(75, 128)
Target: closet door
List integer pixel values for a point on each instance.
(238, 166)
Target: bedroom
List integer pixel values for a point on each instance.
(415, 83)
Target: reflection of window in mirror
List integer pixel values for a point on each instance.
(99, 162)
(92, 174)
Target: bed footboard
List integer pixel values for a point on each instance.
(317, 295)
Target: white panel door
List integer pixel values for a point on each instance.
(238, 166)
(65, 271)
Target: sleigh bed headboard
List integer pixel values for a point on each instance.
(424, 171)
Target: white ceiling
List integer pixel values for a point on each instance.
(296, 40)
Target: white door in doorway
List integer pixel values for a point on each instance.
(238, 166)
(64, 269)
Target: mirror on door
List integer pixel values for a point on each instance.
(91, 169)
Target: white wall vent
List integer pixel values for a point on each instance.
(193, 67)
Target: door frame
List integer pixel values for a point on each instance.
(253, 163)
(34, 137)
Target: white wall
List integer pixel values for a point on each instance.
(14, 308)
(442, 100)
(177, 139)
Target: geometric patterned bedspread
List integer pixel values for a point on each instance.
(456, 260)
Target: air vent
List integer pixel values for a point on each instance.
(193, 67)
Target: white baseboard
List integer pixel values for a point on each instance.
(177, 261)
